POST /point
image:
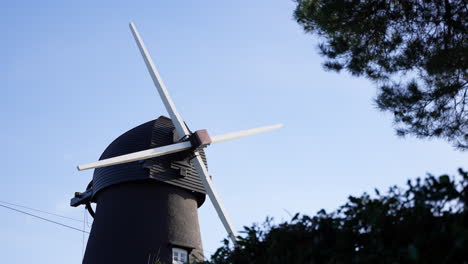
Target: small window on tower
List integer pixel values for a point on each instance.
(179, 256)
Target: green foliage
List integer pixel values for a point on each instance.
(425, 223)
(415, 50)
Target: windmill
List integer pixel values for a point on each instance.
(153, 177)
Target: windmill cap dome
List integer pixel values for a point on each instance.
(169, 169)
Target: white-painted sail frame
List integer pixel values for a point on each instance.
(163, 93)
(181, 130)
(135, 156)
(243, 133)
(173, 148)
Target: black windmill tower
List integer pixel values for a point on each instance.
(148, 185)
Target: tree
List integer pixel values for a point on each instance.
(425, 223)
(416, 51)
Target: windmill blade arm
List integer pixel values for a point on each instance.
(140, 155)
(162, 90)
(214, 197)
(243, 133)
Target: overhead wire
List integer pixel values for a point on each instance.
(84, 226)
(44, 219)
(40, 211)
(87, 221)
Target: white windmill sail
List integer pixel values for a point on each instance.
(173, 148)
(163, 93)
(135, 156)
(182, 131)
(243, 133)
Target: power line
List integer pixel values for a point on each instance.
(45, 219)
(87, 221)
(82, 242)
(41, 211)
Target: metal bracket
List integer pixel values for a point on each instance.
(81, 198)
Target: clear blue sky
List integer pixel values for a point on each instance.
(72, 80)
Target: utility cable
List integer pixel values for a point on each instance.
(45, 219)
(84, 224)
(41, 211)
(87, 221)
